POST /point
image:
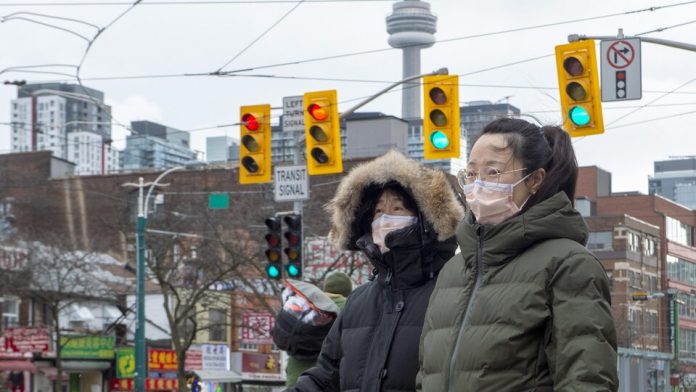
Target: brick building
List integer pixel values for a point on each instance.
(646, 243)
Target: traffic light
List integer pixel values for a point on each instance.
(441, 127)
(273, 256)
(293, 235)
(578, 84)
(322, 133)
(255, 149)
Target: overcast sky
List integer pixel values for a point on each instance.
(199, 38)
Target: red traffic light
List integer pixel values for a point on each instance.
(292, 238)
(250, 121)
(272, 239)
(317, 112)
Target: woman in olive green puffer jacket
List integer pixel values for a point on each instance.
(524, 307)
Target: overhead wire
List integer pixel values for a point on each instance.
(257, 39)
(170, 3)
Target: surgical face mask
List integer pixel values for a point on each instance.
(491, 202)
(385, 224)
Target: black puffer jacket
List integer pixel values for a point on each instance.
(373, 345)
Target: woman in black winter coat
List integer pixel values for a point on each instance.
(403, 216)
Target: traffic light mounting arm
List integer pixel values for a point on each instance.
(657, 41)
(342, 116)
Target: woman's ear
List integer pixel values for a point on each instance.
(536, 179)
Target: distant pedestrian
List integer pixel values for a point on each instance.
(524, 306)
(403, 216)
(301, 339)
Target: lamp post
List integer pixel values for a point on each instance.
(140, 346)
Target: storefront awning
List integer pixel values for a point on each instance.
(17, 366)
(74, 365)
(219, 376)
(51, 373)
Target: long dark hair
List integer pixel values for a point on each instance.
(548, 147)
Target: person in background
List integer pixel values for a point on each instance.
(524, 306)
(337, 286)
(402, 216)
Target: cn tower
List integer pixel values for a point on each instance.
(411, 27)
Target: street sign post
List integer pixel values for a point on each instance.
(621, 69)
(293, 114)
(291, 183)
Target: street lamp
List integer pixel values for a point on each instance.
(140, 347)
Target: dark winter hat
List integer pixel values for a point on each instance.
(338, 283)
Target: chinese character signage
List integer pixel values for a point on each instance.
(151, 384)
(162, 360)
(258, 366)
(87, 347)
(14, 342)
(194, 359)
(256, 327)
(125, 363)
(216, 357)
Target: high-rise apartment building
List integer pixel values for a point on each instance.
(221, 149)
(675, 179)
(71, 121)
(156, 146)
(475, 115)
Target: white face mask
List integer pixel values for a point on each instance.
(385, 224)
(491, 202)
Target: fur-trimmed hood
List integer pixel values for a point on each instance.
(429, 188)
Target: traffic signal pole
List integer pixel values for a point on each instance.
(620, 35)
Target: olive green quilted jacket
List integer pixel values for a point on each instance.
(524, 307)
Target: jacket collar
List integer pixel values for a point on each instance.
(553, 218)
(410, 262)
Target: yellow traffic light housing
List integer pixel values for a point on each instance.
(322, 133)
(578, 85)
(255, 146)
(441, 128)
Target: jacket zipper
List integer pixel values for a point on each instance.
(383, 369)
(472, 295)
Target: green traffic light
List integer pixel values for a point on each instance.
(579, 116)
(273, 271)
(439, 140)
(293, 271)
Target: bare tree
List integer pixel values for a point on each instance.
(198, 270)
(58, 275)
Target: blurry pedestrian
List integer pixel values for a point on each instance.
(403, 216)
(301, 339)
(524, 306)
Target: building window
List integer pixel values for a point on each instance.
(600, 240)
(633, 242)
(679, 232)
(10, 312)
(217, 322)
(648, 246)
(681, 270)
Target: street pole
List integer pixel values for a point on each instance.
(141, 224)
(140, 349)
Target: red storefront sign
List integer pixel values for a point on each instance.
(259, 366)
(15, 342)
(151, 384)
(162, 359)
(194, 360)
